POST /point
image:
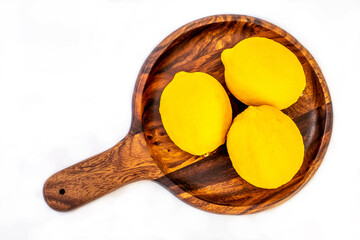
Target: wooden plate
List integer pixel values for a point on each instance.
(207, 182)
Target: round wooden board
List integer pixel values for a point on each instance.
(206, 182)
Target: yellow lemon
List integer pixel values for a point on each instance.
(196, 112)
(260, 71)
(265, 146)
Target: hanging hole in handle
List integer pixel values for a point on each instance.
(62, 191)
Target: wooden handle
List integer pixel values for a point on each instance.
(126, 162)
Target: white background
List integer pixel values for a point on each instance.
(67, 71)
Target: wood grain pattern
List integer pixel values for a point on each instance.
(207, 182)
(126, 162)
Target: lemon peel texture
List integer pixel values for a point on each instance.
(265, 147)
(196, 112)
(260, 71)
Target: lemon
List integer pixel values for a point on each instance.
(260, 71)
(196, 112)
(265, 147)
